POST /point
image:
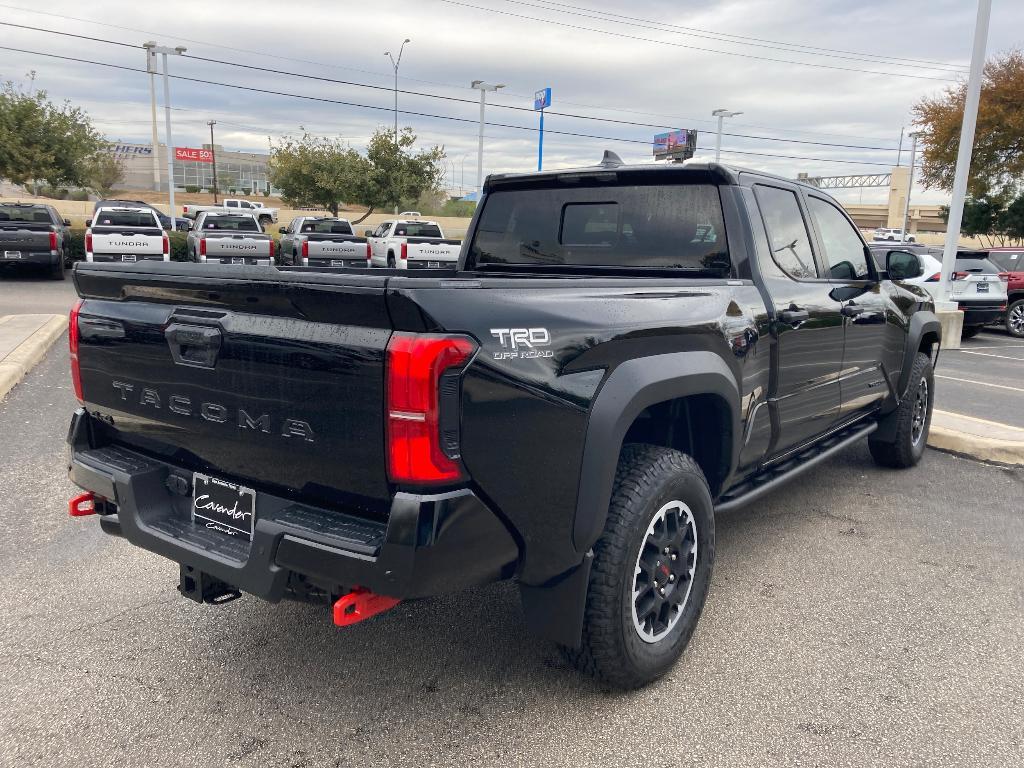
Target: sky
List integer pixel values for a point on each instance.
(825, 86)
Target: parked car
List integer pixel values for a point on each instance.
(609, 368)
(36, 235)
(411, 244)
(883, 233)
(218, 237)
(1011, 262)
(262, 213)
(322, 241)
(180, 224)
(126, 235)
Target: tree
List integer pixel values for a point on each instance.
(105, 173)
(43, 141)
(396, 173)
(1011, 220)
(317, 172)
(997, 165)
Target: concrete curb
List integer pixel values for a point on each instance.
(24, 357)
(955, 433)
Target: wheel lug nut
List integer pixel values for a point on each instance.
(674, 557)
(671, 577)
(661, 591)
(665, 551)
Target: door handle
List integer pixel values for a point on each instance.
(794, 315)
(851, 310)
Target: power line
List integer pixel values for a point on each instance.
(321, 99)
(691, 47)
(757, 42)
(321, 78)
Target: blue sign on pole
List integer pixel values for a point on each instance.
(541, 100)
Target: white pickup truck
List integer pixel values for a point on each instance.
(262, 213)
(229, 238)
(126, 235)
(411, 244)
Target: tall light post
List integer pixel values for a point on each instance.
(151, 69)
(963, 158)
(213, 158)
(483, 87)
(164, 51)
(910, 184)
(721, 114)
(396, 63)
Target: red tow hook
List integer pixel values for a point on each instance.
(82, 505)
(360, 604)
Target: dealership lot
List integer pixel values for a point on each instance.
(874, 624)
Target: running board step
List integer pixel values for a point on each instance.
(771, 478)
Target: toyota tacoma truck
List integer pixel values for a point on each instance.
(622, 353)
(229, 238)
(127, 235)
(36, 235)
(411, 244)
(322, 241)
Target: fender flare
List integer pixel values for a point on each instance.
(921, 322)
(633, 386)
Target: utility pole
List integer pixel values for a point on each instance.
(899, 153)
(151, 69)
(910, 184)
(963, 158)
(721, 114)
(213, 157)
(164, 51)
(395, 63)
(483, 87)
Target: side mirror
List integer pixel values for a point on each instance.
(282, 230)
(367, 233)
(902, 265)
(67, 222)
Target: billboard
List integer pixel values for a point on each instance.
(542, 99)
(193, 154)
(677, 145)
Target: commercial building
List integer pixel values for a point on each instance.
(244, 172)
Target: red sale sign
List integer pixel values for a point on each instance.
(195, 155)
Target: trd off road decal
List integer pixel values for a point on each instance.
(522, 343)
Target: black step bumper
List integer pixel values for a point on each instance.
(429, 545)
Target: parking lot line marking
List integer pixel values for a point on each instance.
(982, 383)
(1008, 345)
(989, 354)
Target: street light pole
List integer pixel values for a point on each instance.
(164, 51)
(396, 63)
(151, 69)
(910, 185)
(483, 87)
(721, 114)
(213, 157)
(963, 158)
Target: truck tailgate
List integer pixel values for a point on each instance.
(334, 251)
(432, 252)
(126, 245)
(237, 249)
(251, 374)
(16, 239)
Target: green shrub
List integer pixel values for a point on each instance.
(79, 194)
(459, 208)
(191, 189)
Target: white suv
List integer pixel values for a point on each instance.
(893, 235)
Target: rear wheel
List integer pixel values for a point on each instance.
(57, 269)
(970, 332)
(913, 419)
(1015, 319)
(651, 571)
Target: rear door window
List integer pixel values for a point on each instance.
(231, 224)
(787, 232)
(414, 229)
(677, 226)
(141, 219)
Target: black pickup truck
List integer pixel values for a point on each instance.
(623, 352)
(34, 234)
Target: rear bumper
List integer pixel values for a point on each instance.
(324, 261)
(37, 258)
(430, 544)
(252, 261)
(417, 264)
(118, 258)
(982, 313)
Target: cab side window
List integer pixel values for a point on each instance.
(844, 250)
(787, 232)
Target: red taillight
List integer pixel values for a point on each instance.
(960, 275)
(53, 241)
(82, 505)
(405, 250)
(167, 245)
(76, 373)
(202, 246)
(934, 278)
(416, 365)
(369, 254)
(305, 251)
(1004, 276)
(271, 250)
(88, 242)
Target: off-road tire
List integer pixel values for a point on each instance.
(907, 445)
(970, 331)
(647, 478)
(1015, 319)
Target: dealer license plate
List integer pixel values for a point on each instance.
(434, 264)
(12, 254)
(223, 506)
(982, 287)
(128, 257)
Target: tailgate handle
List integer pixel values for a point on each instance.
(194, 345)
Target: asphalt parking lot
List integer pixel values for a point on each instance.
(984, 378)
(858, 617)
(29, 292)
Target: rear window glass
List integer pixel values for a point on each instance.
(25, 213)
(326, 226)
(231, 223)
(417, 230)
(977, 265)
(125, 219)
(1007, 261)
(661, 226)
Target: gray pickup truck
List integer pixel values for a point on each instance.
(229, 238)
(34, 235)
(322, 241)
